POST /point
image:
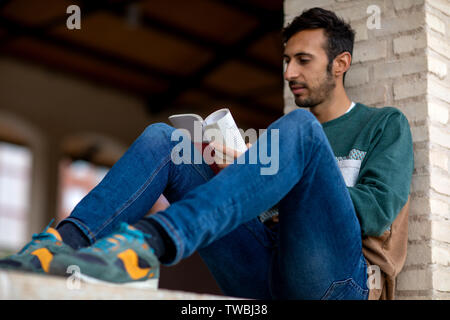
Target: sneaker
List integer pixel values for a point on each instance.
(37, 255)
(123, 258)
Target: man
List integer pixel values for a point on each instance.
(344, 174)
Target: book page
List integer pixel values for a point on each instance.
(188, 122)
(221, 127)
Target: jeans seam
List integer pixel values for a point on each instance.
(203, 220)
(201, 173)
(351, 281)
(178, 241)
(134, 197)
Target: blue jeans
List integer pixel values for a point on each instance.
(315, 251)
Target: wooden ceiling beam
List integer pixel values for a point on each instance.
(224, 53)
(15, 29)
(230, 52)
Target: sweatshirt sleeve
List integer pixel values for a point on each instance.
(383, 184)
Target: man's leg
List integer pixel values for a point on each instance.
(240, 192)
(241, 260)
(319, 252)
(133, 184)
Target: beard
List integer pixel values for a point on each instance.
(318, 94)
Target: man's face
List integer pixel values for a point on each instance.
(306, 68)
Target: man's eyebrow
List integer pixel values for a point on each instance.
(299, 54)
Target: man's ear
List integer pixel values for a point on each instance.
(341, 64)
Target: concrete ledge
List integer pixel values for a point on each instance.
(30, 286)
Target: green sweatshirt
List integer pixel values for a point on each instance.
(374, 150)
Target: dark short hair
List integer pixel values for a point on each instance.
(340, 35)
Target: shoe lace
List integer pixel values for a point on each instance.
(37, 237)
(114, 241)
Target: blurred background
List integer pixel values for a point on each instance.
(72, 101)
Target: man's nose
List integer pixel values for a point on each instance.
(291, 72)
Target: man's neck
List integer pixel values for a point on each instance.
(333, 108)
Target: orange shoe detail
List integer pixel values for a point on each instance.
(44, 256)
(112, 240)
(119, 236)
(130, 261)
(55, 233)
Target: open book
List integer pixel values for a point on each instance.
(219, 126)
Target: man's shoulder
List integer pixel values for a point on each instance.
(380, 113)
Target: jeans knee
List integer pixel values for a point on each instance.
(300, 116)
(158, 130)
(302, 120)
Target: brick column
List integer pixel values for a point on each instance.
(404, 64)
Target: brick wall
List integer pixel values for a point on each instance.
(404, 63)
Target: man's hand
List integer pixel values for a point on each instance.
(226, 152)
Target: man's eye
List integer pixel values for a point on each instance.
(304, 61)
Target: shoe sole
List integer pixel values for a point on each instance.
(147, 284)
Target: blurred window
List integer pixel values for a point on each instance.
(78, 177)
(15, 183)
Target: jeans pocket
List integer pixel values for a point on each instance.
(346, 290)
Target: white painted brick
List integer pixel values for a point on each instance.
(368, 94)
(419, 206)
(414, 111)
(398, 296)
(360, 32)
(410, 43)
(369, 50)
(440, 255)
(437, 67)
(441, 46)
(439, 182)
(418, 254)
(395, 25)
(406, 4)
(421, 158)
(436, 89)
(441, 5)
(400, 68)
(356, 76)
(439, 159)
(293, 8)
(435, 23)
(440, 136)
(419, 230)
(438, 112)
(419, 133)
(407, 89)
(414, 280)
(439, 207)
(358, 11)
(440, 230)
(420, 183)
(441, 279)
